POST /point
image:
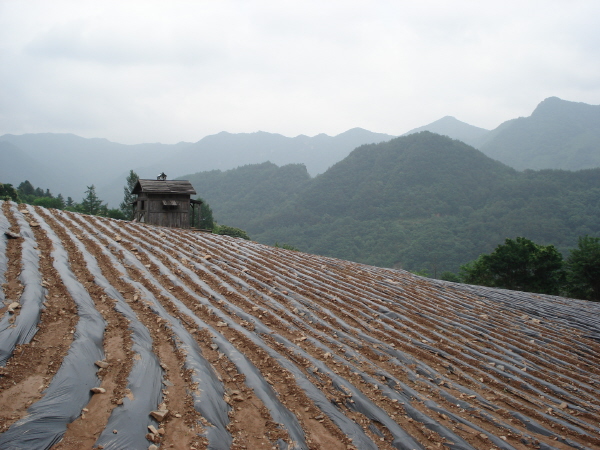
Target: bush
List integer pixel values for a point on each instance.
(286, 246)
(231, 231)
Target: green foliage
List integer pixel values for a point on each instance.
(125, 206)
(242, 197)
(450, 276)
(422, 273)
(520, 265)
(26, 188)
(37, 196)
(49, 202)
(583, 269)
(286, 246)
(205, 219)
(231, 231)
(8, 192)
(115, 213)
(91, 204)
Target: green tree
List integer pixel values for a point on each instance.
(583, 269)
(115, 213)
(520, 265)
(91, 204)
(128, 197)
(231, 231)
(206, 221)
(48, 202)
(8, 192)
(450, 276)
(26, 188)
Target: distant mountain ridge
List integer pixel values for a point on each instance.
(558, 135)
(68, 163)
(317, 153)
(454, 128)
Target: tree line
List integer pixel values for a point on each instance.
(521, 264)
(91, 204)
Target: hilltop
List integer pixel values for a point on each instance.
(558, 135)
(455, 129)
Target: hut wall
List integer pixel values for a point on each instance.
(156, 213)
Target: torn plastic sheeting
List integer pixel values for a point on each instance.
(68, 393)
(145, 379)
(210, 402)
(404, 396)
(401, 439)
(486, 402)
(424, 370)
(495, 440)
(69, 390)
(254, 379)
(263, 390)
(347, 426)
(4, 227)
(32, 297)
(401, 436)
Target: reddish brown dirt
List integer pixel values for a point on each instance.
(498, 352)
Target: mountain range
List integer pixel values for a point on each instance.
(66, 163)
(422, 201)
(558, 135)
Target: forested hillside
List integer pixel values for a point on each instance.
(421, 201)
(247, 194)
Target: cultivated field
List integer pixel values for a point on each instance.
(203, 341)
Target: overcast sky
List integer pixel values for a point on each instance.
(175, 71)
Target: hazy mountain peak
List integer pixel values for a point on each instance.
(559, 134)
(452, 127)
(556, 106)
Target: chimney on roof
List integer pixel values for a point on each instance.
(162, 177)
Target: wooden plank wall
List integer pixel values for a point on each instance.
(156, 214)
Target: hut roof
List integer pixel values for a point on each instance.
(164, 187)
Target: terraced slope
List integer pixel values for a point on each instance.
(249, 346)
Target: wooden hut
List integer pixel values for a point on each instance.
(164, 202)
